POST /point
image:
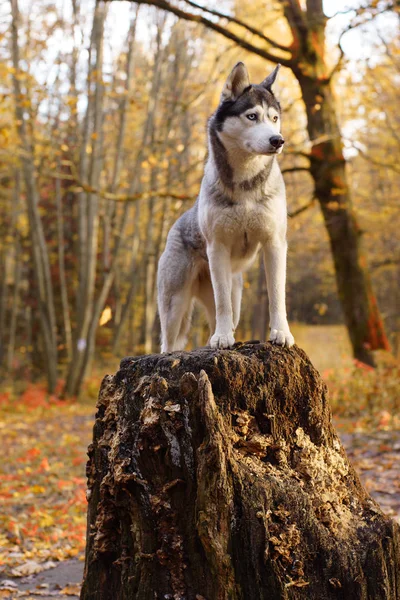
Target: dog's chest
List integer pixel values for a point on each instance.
(245, 224)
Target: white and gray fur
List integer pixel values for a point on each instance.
(241, 209)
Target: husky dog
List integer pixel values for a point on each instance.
(241, 208)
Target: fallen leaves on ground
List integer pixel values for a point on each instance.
(31, 567)
(376, 457)
(71, 590)
(364, 399)
(366, 409)
(64, 580)
(42, 480)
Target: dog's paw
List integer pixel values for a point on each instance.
(281, 337)
(219, 340)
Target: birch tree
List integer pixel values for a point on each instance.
(40, 255)
(90, 305)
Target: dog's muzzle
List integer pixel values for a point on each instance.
(276, 141)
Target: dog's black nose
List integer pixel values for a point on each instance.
(276, 141)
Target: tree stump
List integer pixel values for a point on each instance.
(217, 475)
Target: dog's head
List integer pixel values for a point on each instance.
(249, 115)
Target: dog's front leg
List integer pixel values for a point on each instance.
(237, 287)
(221, 277)
(275, 270)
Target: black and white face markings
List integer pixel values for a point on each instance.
(250, 122)
(254, 100)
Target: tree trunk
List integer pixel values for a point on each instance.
(328, 169)
(3, 304)
(133, 283)
(40, 253)
(88, 204)
(217, 475)
(66, 318)
(14, 308)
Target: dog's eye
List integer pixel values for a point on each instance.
(252, 116)
(275, 118)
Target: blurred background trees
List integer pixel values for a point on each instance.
(103, 109)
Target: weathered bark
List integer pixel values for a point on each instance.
(217, 475)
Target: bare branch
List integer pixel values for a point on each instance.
(198, 18)
(338, 64)
(389, 53)
(298, 211)
(368, 17)
(361, 10)
(84, 187)
(248, 28)
(138, 196)
(388, 262)
(374, 161)
(295, 169)
(306, 155)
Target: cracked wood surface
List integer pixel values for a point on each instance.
(217, 474)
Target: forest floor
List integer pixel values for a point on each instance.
(43, 494)
(43, 484)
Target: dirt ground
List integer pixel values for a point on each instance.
(61, 582)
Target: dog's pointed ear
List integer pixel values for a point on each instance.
(270, 80)
(236, 83)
